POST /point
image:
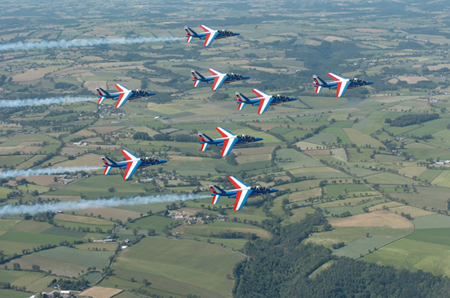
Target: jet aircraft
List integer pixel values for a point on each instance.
(241, 193)
(264, 100)
(122, 96)
(131, 164)
(217, 79)
(209, 35)
(228, 141)
(340, 84)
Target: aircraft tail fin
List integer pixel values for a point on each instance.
(189, 31)
(102, 92)
(215, 189)
(242, 97)
(241, 100)
(108, 161)
(196, 75)
(318, 81)
(204, 138)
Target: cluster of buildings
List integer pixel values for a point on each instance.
(69, 178)
(191, 219)
(442, 162)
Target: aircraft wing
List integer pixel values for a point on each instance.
(336, 77)
(218, 81)
(210, 38)
(228, 144)
(131, 168)
(124, 95)
(237, 183)
(264, 104)
(342, 87)
(225, 133)
(128, 155)
(211, 34)
(241, 198)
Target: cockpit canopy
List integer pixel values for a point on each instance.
(246, 137)
(234, 75)
(356, 80)
(279, 96)
(138, 91)
(153, 158)
(228, 32)
(259, 188)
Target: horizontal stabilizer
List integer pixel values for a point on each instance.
(215, 199)
(204, 147)
(107, 170)
(101, 100)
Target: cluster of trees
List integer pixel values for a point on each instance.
(411, 119)
(228, 234)
(281, 267)
(70, 284)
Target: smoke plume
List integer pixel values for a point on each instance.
(99, 203)
(49, 171)
(44, 101)
(64, 44)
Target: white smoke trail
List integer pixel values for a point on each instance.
(64, 44)
(99, 203)
(49, 171)
(44, 101)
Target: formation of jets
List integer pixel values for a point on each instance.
(241, 192)
(340, 84)
(131, 164)
(217, 78)
(122, 96)
(227, 142)
(263, 100)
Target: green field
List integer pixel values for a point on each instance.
(64, 261)
(151, 222)
(437, 236)
(178, 266)
(223, 226)
(297, 160)
(362, 246)
(346, 189)
(430, 197)
(413, 255)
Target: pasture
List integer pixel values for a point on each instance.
(64, 261)
(413, 255)
(178, 266)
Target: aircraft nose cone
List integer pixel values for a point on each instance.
(162, 161)
(237, 33)
(259, 139)
(369, 83)
(246, 78)
(293, 98)
(273, 190)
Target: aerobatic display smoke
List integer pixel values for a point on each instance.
(64, 44)
(43, 101)
(49, 171)
(99, 203)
